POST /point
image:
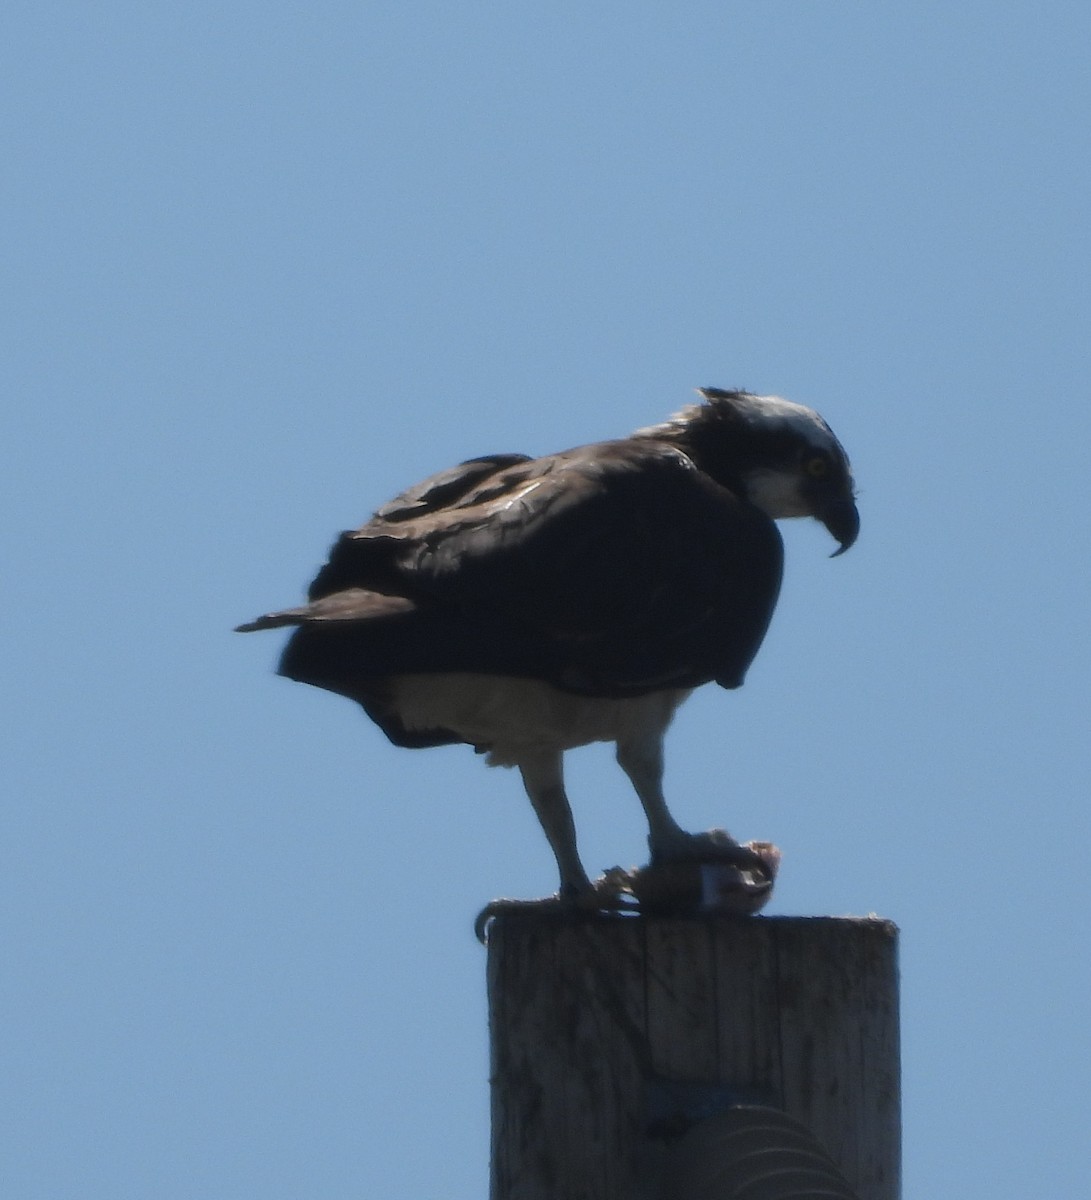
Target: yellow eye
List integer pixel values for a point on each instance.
(817, 467)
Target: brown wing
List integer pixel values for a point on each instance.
(614, 569)
(368, 556)
(447, 488)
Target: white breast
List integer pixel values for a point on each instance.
(517, 717)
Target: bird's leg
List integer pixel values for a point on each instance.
(543, 777)
(641, 758)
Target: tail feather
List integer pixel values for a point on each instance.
(353, 604)
(290, 616)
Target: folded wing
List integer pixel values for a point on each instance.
(615, 569)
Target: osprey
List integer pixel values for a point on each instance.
(526, 606)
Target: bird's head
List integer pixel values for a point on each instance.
(797, 467)
(780, 456)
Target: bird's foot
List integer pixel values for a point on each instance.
(715, 845)
(708, 873)
(609, 893)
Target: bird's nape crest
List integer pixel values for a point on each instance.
(718, 406)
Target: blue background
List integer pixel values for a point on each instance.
(263, 265)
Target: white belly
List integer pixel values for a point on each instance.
(518, 717)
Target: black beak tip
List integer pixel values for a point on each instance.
(842, 519)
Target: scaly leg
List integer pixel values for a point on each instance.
(641, 758)
(543, 777)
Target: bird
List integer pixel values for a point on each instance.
(527, 606)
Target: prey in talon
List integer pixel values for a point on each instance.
(526, 606)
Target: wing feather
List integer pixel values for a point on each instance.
(447, 488)
(612, 569)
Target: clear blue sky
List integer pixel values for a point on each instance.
(266, 264)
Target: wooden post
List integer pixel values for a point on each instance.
(612, 1035)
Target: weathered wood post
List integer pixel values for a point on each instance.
(611, 1036)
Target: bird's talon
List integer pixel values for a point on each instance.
(609, 893)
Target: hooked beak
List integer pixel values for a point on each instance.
(843, 521)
